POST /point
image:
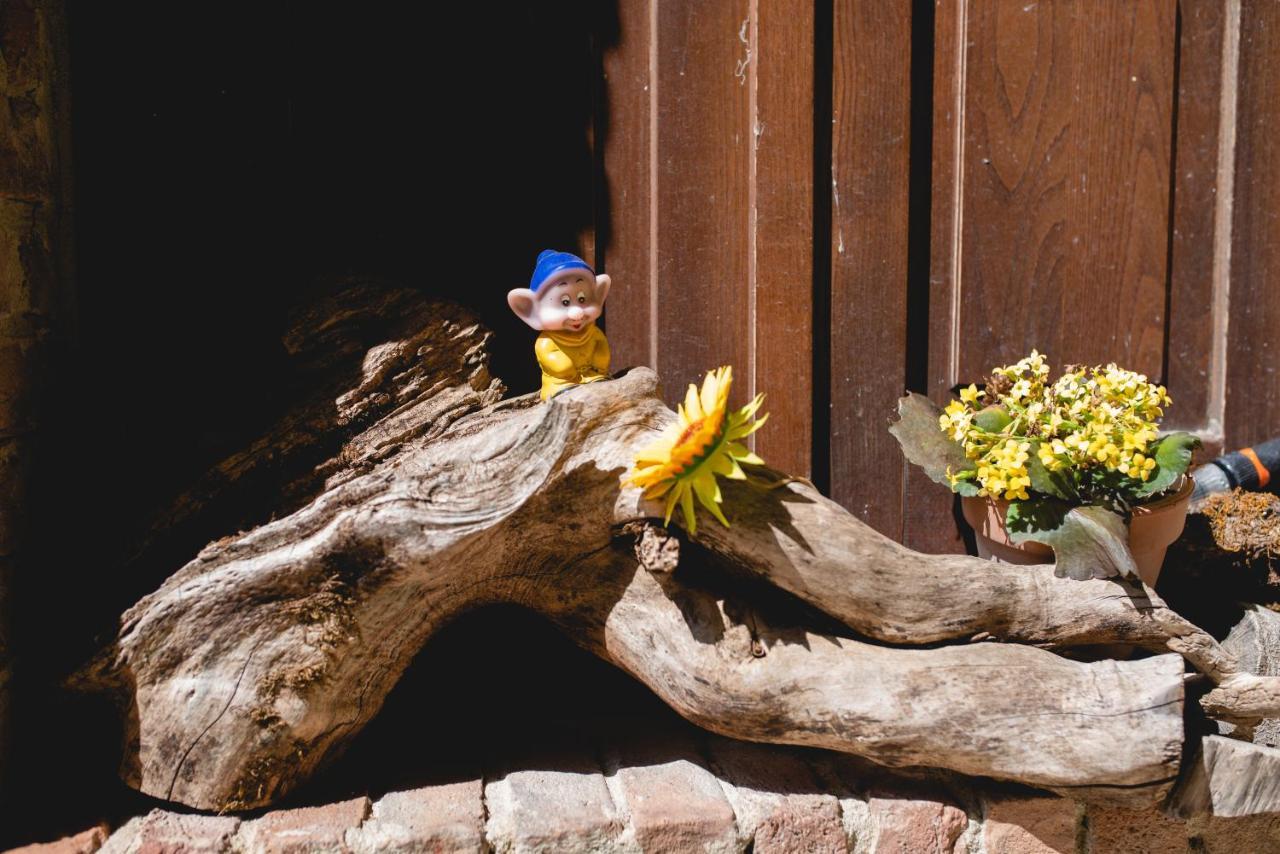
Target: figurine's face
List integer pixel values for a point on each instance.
(568, 301)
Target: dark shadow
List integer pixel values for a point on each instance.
(500, 685)
(920, 197)
(1195, 564)
(967, 533)
(773, 515)
(231, 163)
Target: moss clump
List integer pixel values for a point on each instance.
(265, 775)
(331, 608)
(329, 614)
(1245, 523)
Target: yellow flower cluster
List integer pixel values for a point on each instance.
(1005, 470)
(1089, 418)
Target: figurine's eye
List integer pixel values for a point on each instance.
(582, 300)
(564, 301)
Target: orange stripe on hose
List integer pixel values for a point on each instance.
(1264, 476)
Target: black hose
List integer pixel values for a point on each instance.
(1255, 469)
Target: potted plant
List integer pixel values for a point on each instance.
(1073, 468)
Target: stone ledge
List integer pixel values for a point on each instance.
(303, 830)
(84, 842)
(1229, 778)
(678, 791)
(442, 819)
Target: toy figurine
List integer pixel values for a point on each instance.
(562, 302)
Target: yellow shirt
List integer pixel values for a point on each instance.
(569, 358)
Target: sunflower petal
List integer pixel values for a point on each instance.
(686, 507)
(747, 429)
(714, 387)
(693, 410)
(658, 489)
(750, 409)
(641, 472)
(742, 454)
(671, 504)
(722, 464)
(709, 496)
(658, 452)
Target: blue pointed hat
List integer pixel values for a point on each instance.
(550, 263)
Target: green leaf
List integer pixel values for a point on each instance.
(1058, 484)
(1087, 542)
(1034, 515)
(992, 419)
(1172, 454)
(923, 442)
(965, 482)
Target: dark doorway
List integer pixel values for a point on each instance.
(231, 161)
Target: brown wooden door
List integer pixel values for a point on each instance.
(846, 200)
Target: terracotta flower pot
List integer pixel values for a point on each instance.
(1152, 529)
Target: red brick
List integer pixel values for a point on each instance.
(1255, 833)
(439, 819)
(177, 833)
(777, 798)
(305, 830)
(1145, 831)
(1030, 826)
(676, 806)
(913, 825)
(802, 824)
(84, 842)
(551, 810)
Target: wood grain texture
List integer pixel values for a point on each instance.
(1062, 184)
(1253, 363)
(704, 286)
(782, 232)
(1197, 183)
(1065, 200)
(709, 152)
(261, 658)
(908, 704)
(268, 652)
(870, 127)
(624, 133)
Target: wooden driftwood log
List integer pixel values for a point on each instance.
(261, 658)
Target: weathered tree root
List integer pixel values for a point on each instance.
(260, 659)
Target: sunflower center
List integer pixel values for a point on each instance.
(689, 430)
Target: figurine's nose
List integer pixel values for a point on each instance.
(575, 313)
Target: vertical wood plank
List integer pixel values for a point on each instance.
(1201, 228)
(782, 232)
(870, 148)
(1065, 202)
(703, 195)
(707, 129)
(1253, 363)
(1194, 271)
(624, 133)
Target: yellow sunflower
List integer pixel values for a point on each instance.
(702, 443)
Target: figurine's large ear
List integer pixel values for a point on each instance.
(524, 303)
(602, 286)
